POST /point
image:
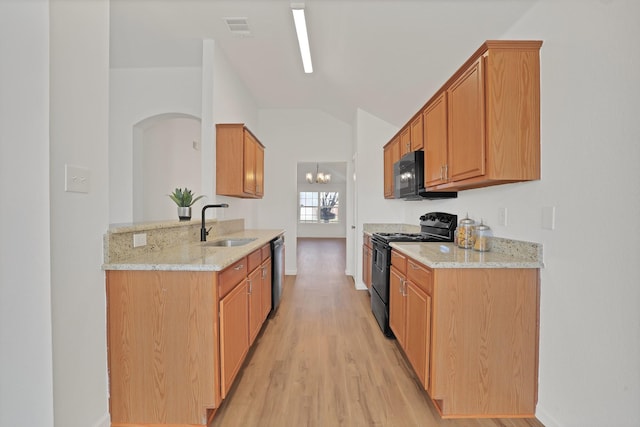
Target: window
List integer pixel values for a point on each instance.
(319, 207)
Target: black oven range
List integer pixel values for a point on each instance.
(434, 227)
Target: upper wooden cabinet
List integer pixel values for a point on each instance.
(391, 155)
(417, 133)
(482, 127)
(434, 120)
(493, 117)
(239, 162)
(405, 140)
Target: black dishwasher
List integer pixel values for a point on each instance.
(277, 272)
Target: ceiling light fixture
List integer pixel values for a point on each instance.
(303, 37)
(321, 178)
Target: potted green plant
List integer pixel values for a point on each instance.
(184, 198)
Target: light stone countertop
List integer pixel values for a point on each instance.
(504, 253)
(448, 255)
(194, 256)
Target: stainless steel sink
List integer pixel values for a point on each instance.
(229, 242)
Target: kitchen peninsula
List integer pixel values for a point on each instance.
(181, 316)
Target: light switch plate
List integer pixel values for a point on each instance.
(77, 179)
(549, 217)
(502, 217)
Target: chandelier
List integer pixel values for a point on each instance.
(320, 178)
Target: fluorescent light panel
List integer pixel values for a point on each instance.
(303, 37)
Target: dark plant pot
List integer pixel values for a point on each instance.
(326, 214)
(184, 213)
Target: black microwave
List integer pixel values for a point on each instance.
(408, 179)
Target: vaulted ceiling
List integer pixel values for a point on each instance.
(384, 56)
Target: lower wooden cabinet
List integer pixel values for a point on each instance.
(418, 320)
(234, 334)
(162, 340)
(177, 339)
(265, 291)
(410, 316)
(397, 305)
(367, 257)
(254, 283)
(470, 334)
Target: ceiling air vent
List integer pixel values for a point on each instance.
(239, 27)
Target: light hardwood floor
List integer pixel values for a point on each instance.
(322, 361)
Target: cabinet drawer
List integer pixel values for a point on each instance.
(420, 275)
(231, 276)
(254, 260)
(399, 261)
(266, 251)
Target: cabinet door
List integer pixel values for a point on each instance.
(255, 303)
(417, 134)
(418, 317)
(266, 288)
(249, 181)
(234, 334)
(465, 100)
(391, 155)
(367, 255)
(405, 141)
(397, 305)
(259, 170)
(435, 141)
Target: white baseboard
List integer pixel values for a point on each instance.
(361, 286)
(105, 421)
(546, 419)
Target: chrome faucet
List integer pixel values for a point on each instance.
(203, 230)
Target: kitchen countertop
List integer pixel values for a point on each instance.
(448, 255)
(504, 253)
(194, 256)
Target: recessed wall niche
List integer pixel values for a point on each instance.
(166, 155)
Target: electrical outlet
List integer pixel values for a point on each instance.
(77, 179)
(549, 217)
(502, 217)
(139, 239)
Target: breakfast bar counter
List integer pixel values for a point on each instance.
(195, 255)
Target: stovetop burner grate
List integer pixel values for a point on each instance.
(434, 227)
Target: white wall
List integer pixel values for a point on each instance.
(79, 71)
(135, 95)
(293, 136)
(26, 387)
(168, 159)
(590, 136)
(232, 103)
(371, 135)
